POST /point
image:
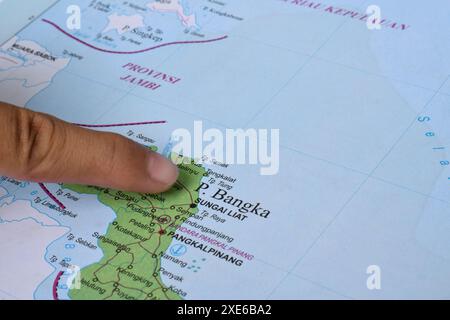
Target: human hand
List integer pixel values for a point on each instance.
(40, 148)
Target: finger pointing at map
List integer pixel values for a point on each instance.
(40, 148)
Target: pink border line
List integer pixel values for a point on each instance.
(118, 124)
(55, 285)
(129, 52)
(59, 203)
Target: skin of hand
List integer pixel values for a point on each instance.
(40, 148)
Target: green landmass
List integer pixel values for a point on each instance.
(135, 242)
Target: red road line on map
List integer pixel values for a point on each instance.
(51, 195)
(118, 124)
(130, 52)
(59, 203)
(55, 285)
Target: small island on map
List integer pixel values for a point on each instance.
(174, 6)
(137, 239)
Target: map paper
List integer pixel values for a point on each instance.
(364, 176)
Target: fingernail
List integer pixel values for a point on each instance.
(162, 169)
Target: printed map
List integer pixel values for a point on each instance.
(364, 175)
